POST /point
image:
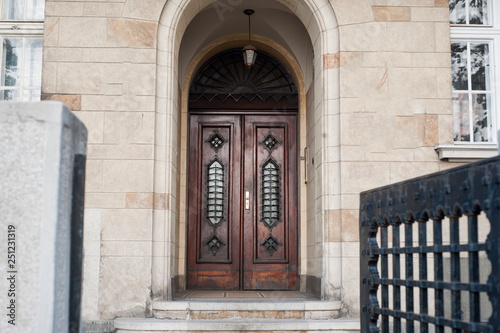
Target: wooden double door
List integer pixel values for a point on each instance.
(242, 202)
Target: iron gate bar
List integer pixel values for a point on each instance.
(455, 269)
(473, 247)
(468, 191)
(473, 327)
(396, 277)
(438, 270)
(424, 308)
(473, 267)
(410, 327)
(385, 272)
(475, 287)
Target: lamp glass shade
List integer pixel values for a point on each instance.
(249, 55)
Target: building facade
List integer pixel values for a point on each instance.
(377, 103)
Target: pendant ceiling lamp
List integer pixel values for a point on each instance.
(249, 51)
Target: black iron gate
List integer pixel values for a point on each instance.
(426, 283)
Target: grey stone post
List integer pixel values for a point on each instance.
(42, 168)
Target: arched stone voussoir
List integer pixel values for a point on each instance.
(315, 15)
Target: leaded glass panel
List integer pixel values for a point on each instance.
(215, 189)
(271, 193)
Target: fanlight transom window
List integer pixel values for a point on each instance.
(226, 76)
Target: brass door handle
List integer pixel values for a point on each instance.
(247, 200)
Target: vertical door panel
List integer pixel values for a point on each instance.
(270, 218)
(270, 225)
(213, 202)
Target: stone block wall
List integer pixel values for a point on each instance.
(100, 59)
(380, 99)
(395, 106)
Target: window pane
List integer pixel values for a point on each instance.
(469, 12)
(482, 121)
(9, 95)
(459, 66)
(31, 95)
(480, 66)
(13, 10)
(33, 62)
(457, 11)
(461, 129)
(478, 12)
(35, 9)
(12, 50)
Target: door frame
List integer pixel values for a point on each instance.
(174, 268)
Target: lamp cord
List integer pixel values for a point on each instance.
(249, 36)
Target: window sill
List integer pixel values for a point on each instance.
(8, 28)
(466, 153)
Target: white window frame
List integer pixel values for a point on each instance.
(19, 29)
(493, 102)
(472, 151)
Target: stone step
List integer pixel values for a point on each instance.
(129, 325)
(229, 310)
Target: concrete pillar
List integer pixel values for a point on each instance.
(42, 168)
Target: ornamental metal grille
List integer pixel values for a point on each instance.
(271, 193)
(215, 196)
(214, 244)
(270, 142)
(271, 244)
(216, 141)
(426, 263)
(226, 76)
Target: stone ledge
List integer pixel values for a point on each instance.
(466, 153)
(248, 306)
(231, 310)
(130, 325)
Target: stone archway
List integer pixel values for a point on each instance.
(322, 116)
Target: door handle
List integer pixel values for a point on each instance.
(247, 200)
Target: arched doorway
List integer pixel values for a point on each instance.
(242, 176)
(315, 69)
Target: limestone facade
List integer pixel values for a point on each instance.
(375, 98)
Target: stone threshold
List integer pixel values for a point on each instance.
(130, 325)
(243, 296)
(269, 305)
